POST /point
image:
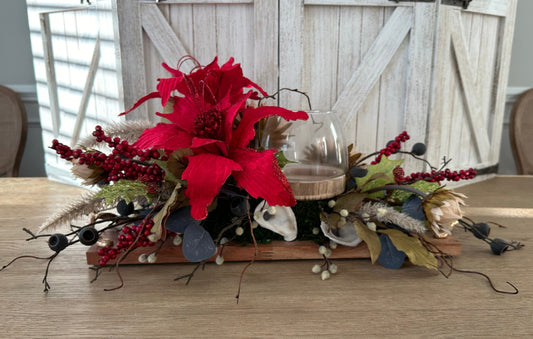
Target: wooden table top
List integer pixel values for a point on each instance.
(277, 298)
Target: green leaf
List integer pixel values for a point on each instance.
(413, 248)
(370, 238)
(175, 199)
(421, 185)
(125, 189)
(378, 175)
(282, 160)
(349, 201)
(168, 174)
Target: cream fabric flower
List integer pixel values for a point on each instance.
(443, 210)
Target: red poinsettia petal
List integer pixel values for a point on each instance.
(173, 71)
(184, 113)
(245, 131)
(165, 87)
(231, 112)
(205, 175)
(262, 177)
(203, 145)
(164, 136)
(141, 100)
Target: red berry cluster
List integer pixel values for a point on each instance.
(130, 237)
(392, 147)
(125, 161)
(438, 176)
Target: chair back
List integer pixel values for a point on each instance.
(13, 130)
(521, 132)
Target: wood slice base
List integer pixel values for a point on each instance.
(276, 250)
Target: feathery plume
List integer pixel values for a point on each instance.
(86, 204)
(386, 214)
(125, 130)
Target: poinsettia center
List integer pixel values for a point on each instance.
(209, 124)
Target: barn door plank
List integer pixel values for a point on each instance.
(373, 64)
(266, 43)
(476, 119)
(420, 84)
(291, 20)
(161, 34)
(502, 76)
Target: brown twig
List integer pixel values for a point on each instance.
(256, 248)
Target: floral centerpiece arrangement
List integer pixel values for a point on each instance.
(201, 180)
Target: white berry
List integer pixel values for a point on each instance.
(223, 241)
(332, 268)
(316, 230)
(177, 240)
(331, 203)
(219, 260)
(316, 269)
(272, 210)
(152, 258)
(322, 250)
(239, 231)
(332, 244)
(343, 212)
(143, 258)
(325, 275)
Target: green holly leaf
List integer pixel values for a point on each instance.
(421, 185)
(124, 189)
(413, 248)
(378, 175)
(282, 160)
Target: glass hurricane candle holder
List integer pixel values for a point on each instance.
(317, 153)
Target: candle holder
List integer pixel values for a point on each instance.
(317, 153)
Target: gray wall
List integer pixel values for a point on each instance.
(16, 71)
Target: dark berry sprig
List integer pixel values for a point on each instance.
(440, 175)
(130, 237)
(125, 162)
(392, 147)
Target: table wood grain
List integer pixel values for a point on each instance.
(278, 299)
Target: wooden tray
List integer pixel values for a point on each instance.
(277, 250)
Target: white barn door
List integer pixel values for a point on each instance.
(364, 59)
(151, 33)
(472, 65)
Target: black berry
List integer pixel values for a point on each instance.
(57, 242)
(418, 149)
(125, 209)
(88, 235)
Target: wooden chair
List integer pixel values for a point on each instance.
(13, 130)
(521, 132)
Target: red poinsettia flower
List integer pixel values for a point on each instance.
(203, 120)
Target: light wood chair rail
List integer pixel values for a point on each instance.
(13, 130)
(521, 132)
